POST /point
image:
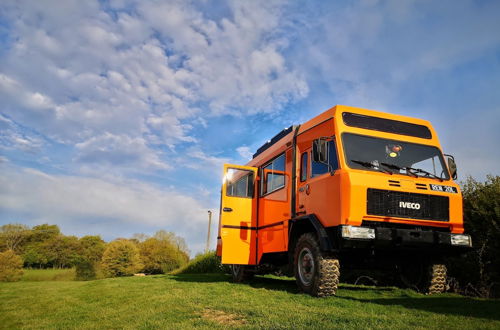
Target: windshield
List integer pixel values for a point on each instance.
(391, 156)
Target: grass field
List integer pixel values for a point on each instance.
(211, 301)
(48, 275)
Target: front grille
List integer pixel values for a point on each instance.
(407, 205)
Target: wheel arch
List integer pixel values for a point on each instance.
(306, 224)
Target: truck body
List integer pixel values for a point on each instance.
(350, 187)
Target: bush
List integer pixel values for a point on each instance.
(478, 272)
(203, 263)
(161, 256)
(11, 266)
(121, 258)
(85, 270)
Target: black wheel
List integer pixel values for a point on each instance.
(240, 273)
(422, 276)
(316, 272)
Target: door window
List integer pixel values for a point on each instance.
(303, 167)
(239, 183)
(273, 175)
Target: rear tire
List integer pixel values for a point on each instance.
(424, 277)
(316, 272)
(240, 273)
(438, 274)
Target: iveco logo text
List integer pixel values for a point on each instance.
(408, 205)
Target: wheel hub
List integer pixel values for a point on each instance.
(306, 266)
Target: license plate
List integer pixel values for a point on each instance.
(447, 189)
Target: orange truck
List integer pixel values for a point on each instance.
(350, 187)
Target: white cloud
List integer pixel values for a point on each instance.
(118, 150)
(196, 159)
(397, 42)
(13, 137)
(147, 72)
(245, 152)
(62, 199)
(119, 89)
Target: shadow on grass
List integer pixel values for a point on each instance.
(351, 287)
(275, 284)
(460, 306)
(201, 278)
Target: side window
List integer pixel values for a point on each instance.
(273, 175)
(239, 183)
(320, 168)
(303, 167)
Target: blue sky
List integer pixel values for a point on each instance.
(116, 116)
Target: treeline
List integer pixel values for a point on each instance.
(44, 246)
(477, 272)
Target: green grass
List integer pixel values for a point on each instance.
(211, 301)
(48, 274)
(203, 263)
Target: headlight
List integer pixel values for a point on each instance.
(358, 232)
(461, 239)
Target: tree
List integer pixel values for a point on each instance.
(90, 252)
(161, 256)
(35, 255)
(44, 232)
(121, 258)
(175, 240)
(12, 235)
(139, 237)
(62, 251)
(480, 267)
(92, 247)
(11, 266)
(37, 251)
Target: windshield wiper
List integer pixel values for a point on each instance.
(419, 170)
(370, 165)
(411, 170)
(396, 167)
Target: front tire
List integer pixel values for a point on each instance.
(316, 272)
(240, 273)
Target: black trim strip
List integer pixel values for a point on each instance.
(254, 228)
(239, 227)
(294, 172)
(272, 225)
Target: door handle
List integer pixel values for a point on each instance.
(227, 209)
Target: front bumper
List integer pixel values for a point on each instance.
(404, 239)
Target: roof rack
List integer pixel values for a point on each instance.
(275, 139)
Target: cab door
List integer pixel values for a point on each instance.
(238, 229)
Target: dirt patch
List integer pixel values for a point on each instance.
(222, 317)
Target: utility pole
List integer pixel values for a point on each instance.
(208, 234)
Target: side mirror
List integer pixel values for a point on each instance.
(452, 166)
(320, 151)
